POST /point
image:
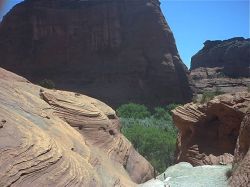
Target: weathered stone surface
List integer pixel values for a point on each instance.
(241, 165)
(232, 55)
(58, 138)
(208, 132)
(210, 80)
(185, 175)
(116, 50)
(223, 65)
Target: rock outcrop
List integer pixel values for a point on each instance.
(241, 166)
(208, 132)
(115, 50)
(223, 65)
(59, 138)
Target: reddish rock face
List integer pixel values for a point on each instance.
(241, 166)
(208, 132)
(232, 55)
(117, 51)
(223, 65)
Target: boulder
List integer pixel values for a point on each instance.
(59, 138)
(119, 51)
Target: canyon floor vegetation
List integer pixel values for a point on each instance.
(152, 133)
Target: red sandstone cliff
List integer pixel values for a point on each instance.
(115, 50)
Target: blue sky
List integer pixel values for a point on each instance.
(195, 21)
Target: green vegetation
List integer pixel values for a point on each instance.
(133, 110)
(152, 135)
(207, 96)
(46, 83)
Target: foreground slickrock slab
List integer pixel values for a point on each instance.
(57, 138)
(208, 132)
(185, 175)
(114, 50)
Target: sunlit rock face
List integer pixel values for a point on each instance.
(208, 132)
(59, 138)
(117, 50)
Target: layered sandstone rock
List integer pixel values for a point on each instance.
(58, 138)
(223, 65)
(116, 50)
(208, 132)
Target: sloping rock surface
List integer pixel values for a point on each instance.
(185, 175)
(223, 65)
(58, 138)
(115, 50)
(208, 132)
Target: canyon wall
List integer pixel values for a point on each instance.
(222, 65)
(115, 50)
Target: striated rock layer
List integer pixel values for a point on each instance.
(223, 65)
(58, 138)
(208, 132)
(115, 50)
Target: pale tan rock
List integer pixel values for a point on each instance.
(66, 139)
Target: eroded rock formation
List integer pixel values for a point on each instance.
(208, 132)
(241, 166)
(223, 65)
(59, 138)
(115, 50)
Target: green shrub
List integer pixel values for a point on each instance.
(155, 144)
(152, 135)
(171, 107)
(133, 110)
(46, 83)
(207, 96)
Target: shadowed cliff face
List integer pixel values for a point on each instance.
(223, 65)
(116, 50)
(232, 56)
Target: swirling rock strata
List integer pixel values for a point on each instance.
(115, 50)
(208, 132)
(57, 138)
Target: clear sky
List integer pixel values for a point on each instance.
(195, 21)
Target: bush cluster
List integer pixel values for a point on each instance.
(46, 83)
(152, 133)
(207, 96)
